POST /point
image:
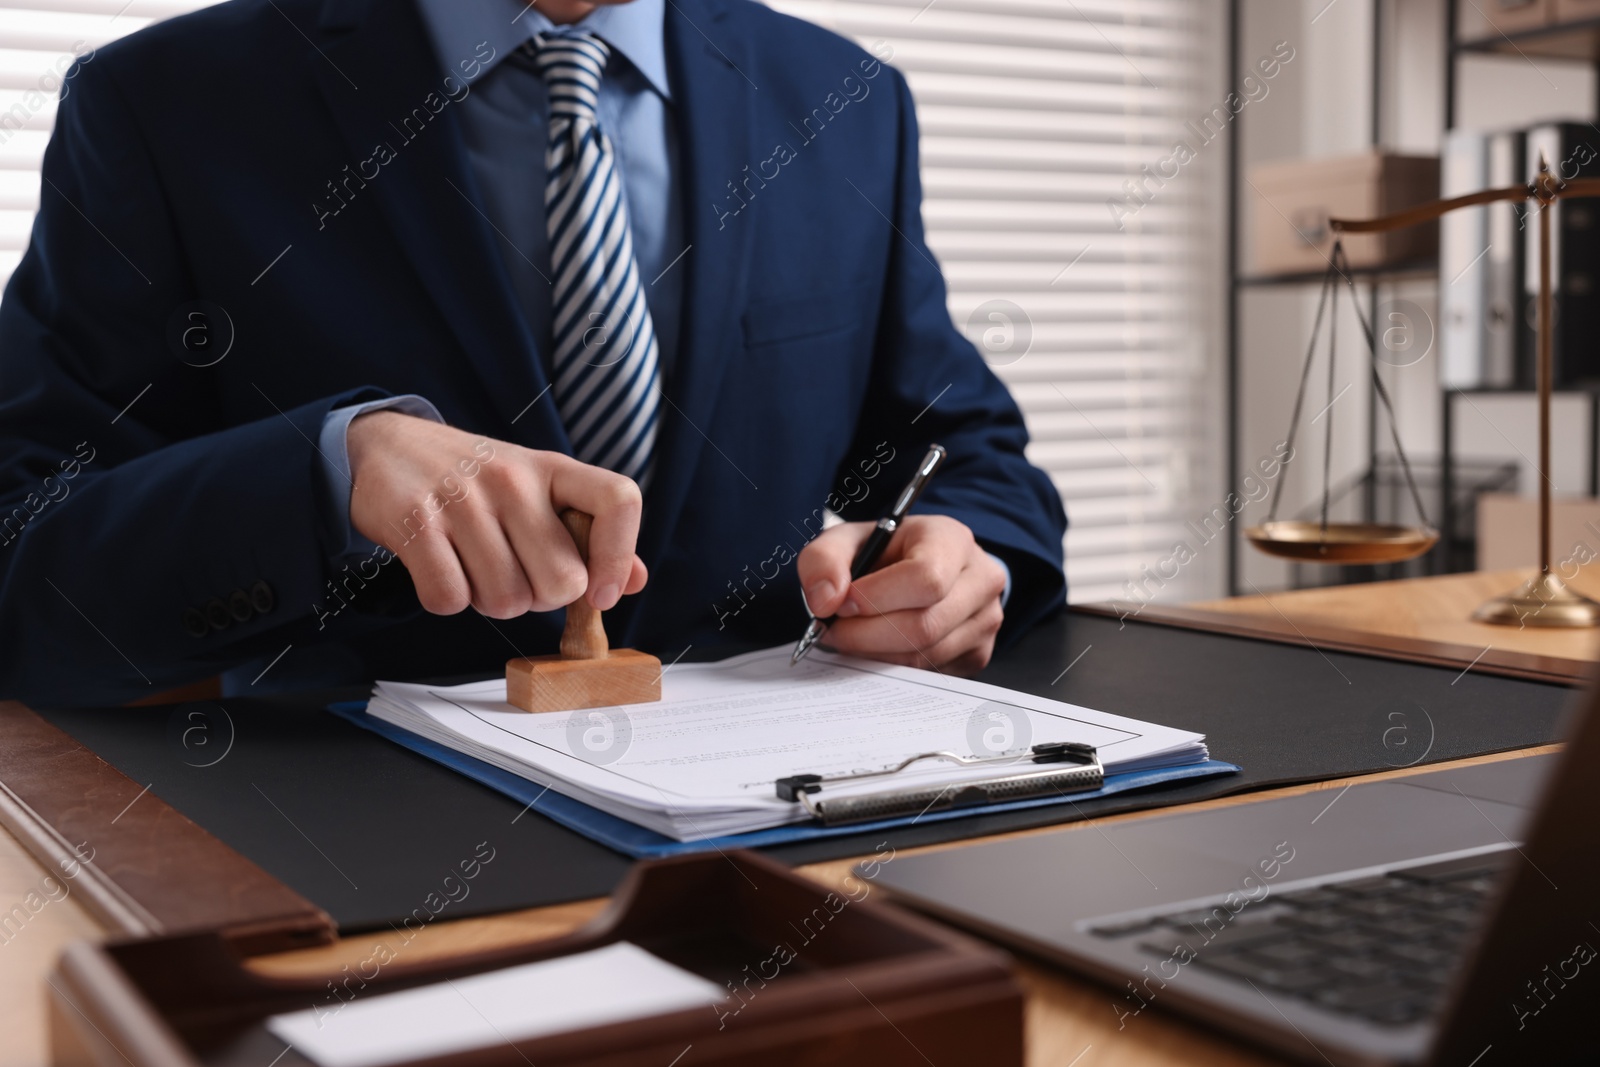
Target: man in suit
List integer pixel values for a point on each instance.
(331, 306)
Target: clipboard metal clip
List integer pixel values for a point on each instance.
(1039, 773)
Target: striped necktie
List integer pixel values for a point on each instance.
(605, 357)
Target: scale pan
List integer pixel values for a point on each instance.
(1342, 542)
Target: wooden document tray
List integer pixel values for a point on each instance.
(867, 983)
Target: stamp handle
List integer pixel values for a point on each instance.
(585, 634)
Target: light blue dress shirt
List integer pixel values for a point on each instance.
(504, 121)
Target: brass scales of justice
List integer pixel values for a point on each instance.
(1544, 600)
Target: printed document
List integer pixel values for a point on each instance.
(703, 761)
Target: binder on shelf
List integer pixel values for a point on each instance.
(856, 980)
(1572, 150)
(1480, 264)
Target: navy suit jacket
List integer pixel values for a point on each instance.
(162, 520)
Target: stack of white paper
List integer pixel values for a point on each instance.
(703, 761)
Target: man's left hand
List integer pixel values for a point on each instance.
(933, 602)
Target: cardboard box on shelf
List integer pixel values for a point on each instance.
(1508, 533)
(1294, 200)
(1575, 10)
(1512, 16)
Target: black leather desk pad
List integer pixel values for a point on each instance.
(370, 832)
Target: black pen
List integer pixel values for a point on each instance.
(872, 549)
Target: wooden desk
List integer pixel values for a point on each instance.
(1069, 1021)
(1066, 1018)
(1420, 619)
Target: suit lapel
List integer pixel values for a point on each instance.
(429, 197)
(714, 108)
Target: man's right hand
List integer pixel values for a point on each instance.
(476, 522)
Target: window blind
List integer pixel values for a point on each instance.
(1034, 113)
(38, 42)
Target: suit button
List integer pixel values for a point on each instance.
(194, 623)
(239, 606)
(217, 614)
(261, 598)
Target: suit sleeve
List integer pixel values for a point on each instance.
(932, 386)
(144, 541)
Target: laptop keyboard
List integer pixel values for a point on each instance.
(1381, 949)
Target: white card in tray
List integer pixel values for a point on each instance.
(606, 985)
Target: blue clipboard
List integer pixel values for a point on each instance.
(633, 840)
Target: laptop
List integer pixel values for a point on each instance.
(1448, 917)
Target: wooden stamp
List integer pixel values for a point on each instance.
(588, 673)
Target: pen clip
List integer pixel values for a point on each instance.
(908, 496)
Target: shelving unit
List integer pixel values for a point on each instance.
(1374, 279)
(1577, 41)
